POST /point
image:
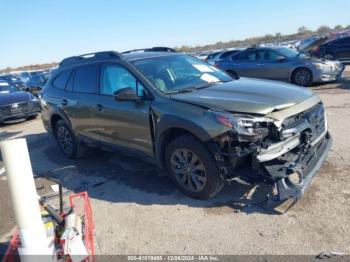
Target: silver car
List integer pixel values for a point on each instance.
(283, 64)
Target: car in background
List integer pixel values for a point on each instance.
(24, 76)
(152, 49)
(16, 104)
(202, 56)
(36, 83)
(280, 63)
(217, 56)
(13, 80)
(336, 49)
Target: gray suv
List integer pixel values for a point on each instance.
(193, 120)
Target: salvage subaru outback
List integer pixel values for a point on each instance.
(190, 118)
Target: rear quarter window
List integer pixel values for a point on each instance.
(61, 80)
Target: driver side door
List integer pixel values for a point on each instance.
(122, 123)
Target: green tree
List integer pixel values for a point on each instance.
(302, 30)
(323, 29)
(338, 27)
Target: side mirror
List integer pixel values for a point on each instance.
(281, 59)
(126, 94)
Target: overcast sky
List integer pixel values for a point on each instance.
(41, 31)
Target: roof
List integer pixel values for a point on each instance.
(111, 55)
(264, 48)
(144, 55)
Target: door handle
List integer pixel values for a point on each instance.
(99, 107)
(260, 64)
(64, 102)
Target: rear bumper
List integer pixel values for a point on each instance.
(307, 167)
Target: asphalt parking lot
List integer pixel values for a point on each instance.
(138, 210)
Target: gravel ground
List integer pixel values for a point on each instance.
(137, 209)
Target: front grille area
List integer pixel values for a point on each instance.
(315, 117)
(20, 109)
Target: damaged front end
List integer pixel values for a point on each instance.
(285, 149)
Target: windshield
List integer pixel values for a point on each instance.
(289, 53)
(6, 88)
(179, 72)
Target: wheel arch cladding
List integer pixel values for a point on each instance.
(171, 127)
(57, 116)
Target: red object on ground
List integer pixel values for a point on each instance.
(80, 202)
(83, 209)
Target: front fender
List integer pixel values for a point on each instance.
(167, 123)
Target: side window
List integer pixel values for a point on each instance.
(226, 54)
(60, 81)
(343, 42)
(69, 86)
(116, 77)
(248, 56)
(266, 55)
(86, 79)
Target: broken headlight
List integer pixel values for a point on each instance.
(247, 127)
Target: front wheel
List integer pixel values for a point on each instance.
(302, 77)
(193, 168)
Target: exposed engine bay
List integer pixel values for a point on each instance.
(286, 153)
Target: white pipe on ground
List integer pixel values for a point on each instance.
(20, 179)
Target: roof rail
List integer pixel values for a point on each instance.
(90, 57)
(153, 49)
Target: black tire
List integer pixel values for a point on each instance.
(233, 74)
(302, 77)
(206, 167)
(64, 137)
(33, 117)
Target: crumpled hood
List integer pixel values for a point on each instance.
(14, 97)
(246, 95)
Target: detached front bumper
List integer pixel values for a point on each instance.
(305, 168)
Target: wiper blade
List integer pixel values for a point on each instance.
(201, 86)
(186, 90)
(195, 87)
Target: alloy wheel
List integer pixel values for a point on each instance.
(188, 169)
(65, 139)
(303, 77)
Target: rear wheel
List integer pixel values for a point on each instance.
(193, 168)
(233, 74)
(66, 139)
(302, 77)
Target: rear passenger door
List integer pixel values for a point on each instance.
(244, 64)
(80, 103)
(122, 123)
(269, 67)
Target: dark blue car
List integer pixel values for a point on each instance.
(16, 104)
